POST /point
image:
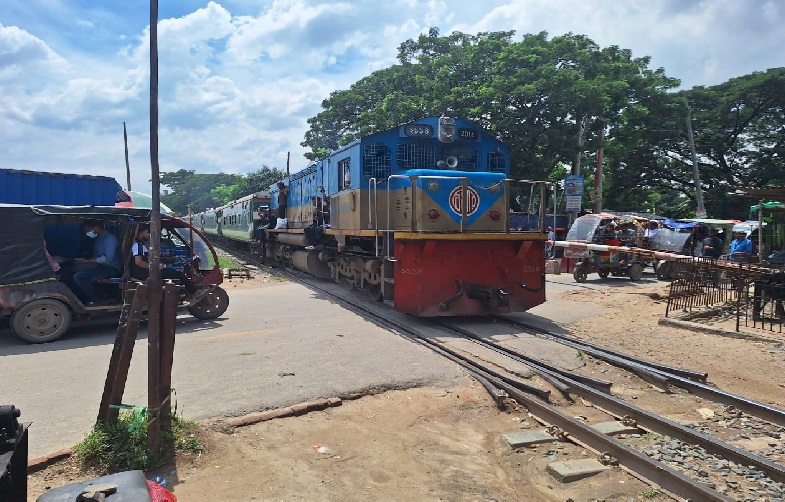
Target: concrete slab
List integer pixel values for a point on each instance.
(613, 428)
(528, 438)
(571, 470)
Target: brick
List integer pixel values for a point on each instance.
(571, 470)
(613, 428)
(335, 401)
(527, 438)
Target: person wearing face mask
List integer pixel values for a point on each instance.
(104, 263)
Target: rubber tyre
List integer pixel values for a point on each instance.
(635, 271)
(579, 274)
(212, 306)
(41, 321)
(664, 271)
(602, 273)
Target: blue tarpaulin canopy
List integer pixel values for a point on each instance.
(680, 224)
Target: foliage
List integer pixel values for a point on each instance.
(202, 191)
(549, 98)
(542, 97)
(122, 446)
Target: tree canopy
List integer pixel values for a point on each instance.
(202, 191)
(548, 99)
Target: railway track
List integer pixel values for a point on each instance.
(689, 462)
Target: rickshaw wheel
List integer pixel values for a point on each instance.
(636, 271)
(212, 305)
(579, 274)
(664, 270)
(41, 321)
(603, 273)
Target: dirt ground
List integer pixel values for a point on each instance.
(446, 443)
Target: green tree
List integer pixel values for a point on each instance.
(541, 96)
(261, 179)
(191, 189)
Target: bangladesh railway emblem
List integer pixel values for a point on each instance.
(472, 200)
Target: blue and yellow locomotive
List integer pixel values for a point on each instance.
(419, 216)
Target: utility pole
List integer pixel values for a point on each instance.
(127, 165)
(695, 173)
(154, 281)
(597, 206)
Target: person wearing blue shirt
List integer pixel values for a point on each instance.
(104, 263)
(740, 247)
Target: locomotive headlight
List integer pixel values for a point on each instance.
(495, 188)
(433, 214)
(433, 186)
(495, 215)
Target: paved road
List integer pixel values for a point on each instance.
(274, 347)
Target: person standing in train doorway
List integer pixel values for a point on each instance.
(283, 197)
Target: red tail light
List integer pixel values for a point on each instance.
(495, 215)
(433, 214)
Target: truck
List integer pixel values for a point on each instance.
(62, 189)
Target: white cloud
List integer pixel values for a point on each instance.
(238, 79)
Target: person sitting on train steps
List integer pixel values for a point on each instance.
(321, 220)
(103, 263)
(140, 267)
(263, 223)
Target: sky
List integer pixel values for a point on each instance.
(238, 79)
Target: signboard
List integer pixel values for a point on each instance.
(573, 203)
(701, 214)
(573, 185)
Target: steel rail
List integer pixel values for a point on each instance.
(666, 427)
(657, 423)
(756, 408)
(686, 373)
(656, 472)
(540, 366)
(652, 470)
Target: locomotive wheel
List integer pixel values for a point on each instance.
(41, 321)
(603, 273)
(635, 271)
(375, 292)
(212, 305)
(579, 274)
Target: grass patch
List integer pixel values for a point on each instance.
(651, 494)
(122, 446)
(227, 262)
(650, 436)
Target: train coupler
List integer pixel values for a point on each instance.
(486, 294)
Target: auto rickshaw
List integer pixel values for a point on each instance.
(36, 240)
(609, 230)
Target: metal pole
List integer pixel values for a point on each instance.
(760, 231)
(154, 281)
(695, 172)
(597, 206)
(127, 165)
